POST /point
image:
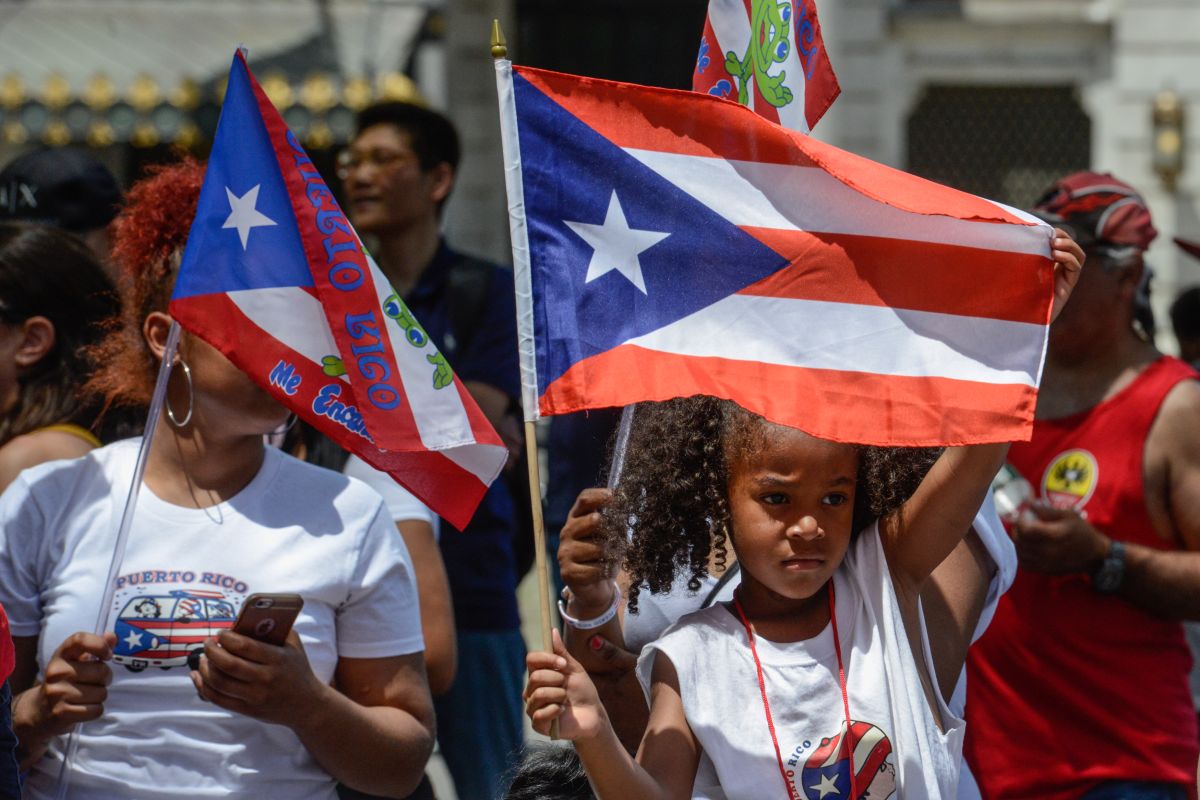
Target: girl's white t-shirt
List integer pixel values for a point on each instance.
(293, 528)
(899, 752)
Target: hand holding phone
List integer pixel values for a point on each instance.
(268, 617)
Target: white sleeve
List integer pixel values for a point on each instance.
(22, 527)
(1003, 553)
(400, 502)
(381, 616)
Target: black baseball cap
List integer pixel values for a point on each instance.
(65, 186)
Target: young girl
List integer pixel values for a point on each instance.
(824, 677)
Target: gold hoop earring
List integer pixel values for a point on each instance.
(187, 374)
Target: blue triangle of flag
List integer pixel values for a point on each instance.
(244, 235)
(571, 175)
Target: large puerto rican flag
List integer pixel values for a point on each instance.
(275, 278)
(768, 55)
(669, 244)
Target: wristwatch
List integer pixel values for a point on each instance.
(1107, 579)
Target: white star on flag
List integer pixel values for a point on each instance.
(826, 786)
(134, 640)
(616, 245)
(243, 215)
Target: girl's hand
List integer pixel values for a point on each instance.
(1068, 263)
(265, 681)
(559, 688)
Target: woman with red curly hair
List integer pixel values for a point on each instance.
(182, 705)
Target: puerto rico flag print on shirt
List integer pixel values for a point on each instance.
(767, 55)
(669, 244)
(275, 278)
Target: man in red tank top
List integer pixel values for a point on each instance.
(1079, 688)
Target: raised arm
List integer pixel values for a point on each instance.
(920, 534)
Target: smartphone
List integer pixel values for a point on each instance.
(268, 617)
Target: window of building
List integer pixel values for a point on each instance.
(651, 43)
(1006, 143)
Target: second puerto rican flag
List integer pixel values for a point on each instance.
(669, 244)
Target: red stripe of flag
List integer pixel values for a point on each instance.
(821, 85)
(889, 410)
(901, 273)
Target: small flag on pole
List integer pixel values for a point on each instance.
(767, 55)
(668, 244)
(275, 278)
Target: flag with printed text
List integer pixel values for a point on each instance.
(275, 277)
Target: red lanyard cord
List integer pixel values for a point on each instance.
(837, 648)
(762, 688)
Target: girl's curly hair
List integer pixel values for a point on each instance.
(674, 489)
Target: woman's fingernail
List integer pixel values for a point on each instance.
(595, 642)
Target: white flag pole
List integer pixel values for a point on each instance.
(621, 445)
(524, 298)
(122, 533)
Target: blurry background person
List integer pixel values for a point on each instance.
(54, 300)
(64, 187)
(1185, 313)
(1079, 689)
(398, 173)
(221, 516)
(1185, 320)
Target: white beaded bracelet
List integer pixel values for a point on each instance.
(594, 622)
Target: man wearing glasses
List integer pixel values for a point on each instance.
(398, 174)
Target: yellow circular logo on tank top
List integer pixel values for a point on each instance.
(1070, 479)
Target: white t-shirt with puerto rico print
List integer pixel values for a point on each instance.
(293, 528)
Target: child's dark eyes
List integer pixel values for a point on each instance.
(834, 499)
(774, 498)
